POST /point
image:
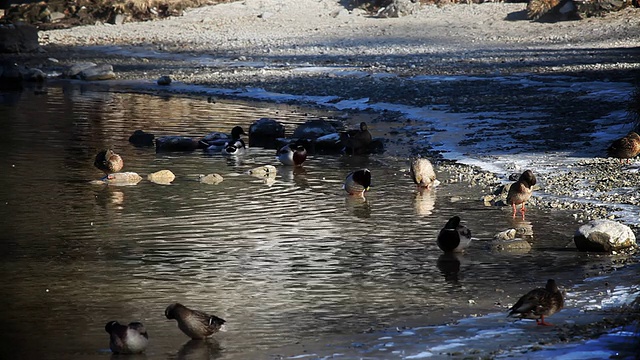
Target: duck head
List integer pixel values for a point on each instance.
(528, 178)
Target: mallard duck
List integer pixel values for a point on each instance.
(292, 155)
(454, 237)
(422, 173)
(216, 141)
(627, 147)
(235, 148)
(521, 190)
(127, 339)
(357, 182)
(357, 141)
(195, 324)
(108, 161)
(538, 303)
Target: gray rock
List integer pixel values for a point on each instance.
(140, 138)
(399, 8)
(74, 70)
(211, 179)
(175, 143)
(265, 132)
(34, 75)
(314, 129)
(98, 72)
(10, 72)
(17, 38)
(519, 246)
(604, 236)
(164, 80)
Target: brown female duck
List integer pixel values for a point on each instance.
(454, 237)
(538, 303)
(195, 324)
(521, 191)
(127, 339)
(627, 147)
(357, 182)
(357, 141)
(108, 161)
(422, 173)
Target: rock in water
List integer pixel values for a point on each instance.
(120, 179)
(212, 179)
(264, 132)
(163, 177)
(164, 80)
(604, 236)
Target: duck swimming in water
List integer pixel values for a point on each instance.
(292, 155)
(520, 191)
(108, 161)
(195, 324)
(216, 141)
(127, 339)
(627, 147)
(357, 182)
(454, 237)
(235, 148)
(538, 303)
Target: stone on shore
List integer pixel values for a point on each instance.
(164, 80)
(98, 72)
(604, 236)
(74, 70)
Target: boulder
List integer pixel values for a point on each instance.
(162, 177)
(314, 129)
(18, 38)
(74, 70)
(604, 236)
(140, 138)
(175, 143)
(263, 171)
(265, 132)
(398, 8)
(328, 144)
(98, 72)
(120, 179)
(164, 80)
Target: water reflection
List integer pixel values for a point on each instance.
(358, 206)
(449, 266)
(200, 350)
(424, 201)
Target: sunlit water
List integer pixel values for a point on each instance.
(283, 262)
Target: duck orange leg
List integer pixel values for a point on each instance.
(542, 322)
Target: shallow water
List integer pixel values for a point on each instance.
(283, 262)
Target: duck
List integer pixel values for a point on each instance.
(195, 324)
(127, 339)
(235, 148)
(422, 173)
(520, 191)
(454, 237)
(357, 182)
(108, 161)
(216, 141)
(357, 141)
(538, 303)
(627, 147)
(292, 155)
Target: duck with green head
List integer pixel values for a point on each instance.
(538, 303)
(357, 182)
(127, 339)
(454, 237)
(216, 141)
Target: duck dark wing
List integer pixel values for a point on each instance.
(211, 321)
(530, 302)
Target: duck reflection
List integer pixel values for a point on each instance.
(524, 228)
(449, 266)
(424, 201)
(200, 350)
(115, 356)
(110, 197)
(297, 175)
(358, 206)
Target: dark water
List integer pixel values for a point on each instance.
(286, 262)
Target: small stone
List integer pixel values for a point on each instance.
(164, 80)
(211, 179)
